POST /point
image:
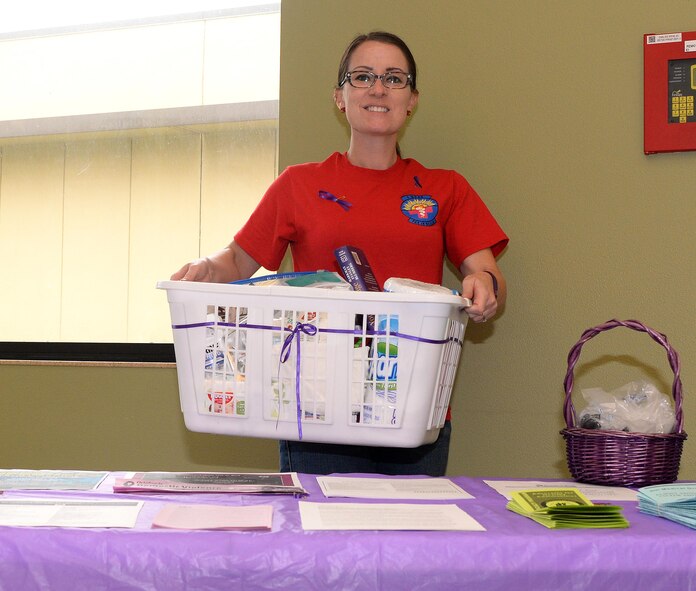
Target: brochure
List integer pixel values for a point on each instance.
(676, 502)
(50, 479)
(211, 482)
(564, 508)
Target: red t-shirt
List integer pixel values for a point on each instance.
(405, 219)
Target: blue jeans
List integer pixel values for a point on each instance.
(327, 458)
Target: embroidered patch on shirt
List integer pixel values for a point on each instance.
(419, 209)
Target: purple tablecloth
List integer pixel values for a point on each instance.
(513, 554)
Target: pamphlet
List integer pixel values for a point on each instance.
(50, 479)
(563, 508)
(211, 482)
(676, 502)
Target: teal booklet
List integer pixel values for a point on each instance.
(676, 502)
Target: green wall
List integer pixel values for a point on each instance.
(540, 105)
(96, 418)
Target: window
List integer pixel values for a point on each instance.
(127, 148)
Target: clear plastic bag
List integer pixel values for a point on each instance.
(637, 407)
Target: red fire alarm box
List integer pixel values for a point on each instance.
(670, 92)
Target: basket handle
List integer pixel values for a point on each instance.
(658, 337)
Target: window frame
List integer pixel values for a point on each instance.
(119, 352)
(138, 353)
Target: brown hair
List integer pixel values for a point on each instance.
(382, 37)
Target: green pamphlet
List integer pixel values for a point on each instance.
(565, 508)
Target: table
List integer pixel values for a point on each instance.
(514, 553)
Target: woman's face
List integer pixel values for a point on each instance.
(376, 110)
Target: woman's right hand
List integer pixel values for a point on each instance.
(229, 264)
(198, 270)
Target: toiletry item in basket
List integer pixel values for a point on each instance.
(356, 269)
(381, 386)
(637, 407)
(404, 285)
(321, 279)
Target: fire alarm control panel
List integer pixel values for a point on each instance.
(670, 92)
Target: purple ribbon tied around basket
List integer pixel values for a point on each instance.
(346, 205)
(311, 330)
(295, 333)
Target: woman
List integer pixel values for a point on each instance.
(405, 217)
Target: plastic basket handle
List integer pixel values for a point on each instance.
(658, 337)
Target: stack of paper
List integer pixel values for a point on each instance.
(558, 508)
(386, 516)
(676, 502)
(68, 512)
(594, 492)
(391, 488)
(219, 517)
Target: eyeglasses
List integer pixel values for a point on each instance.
(364, 79)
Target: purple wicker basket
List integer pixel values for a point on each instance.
(619, 458)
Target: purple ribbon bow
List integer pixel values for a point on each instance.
(308, 329)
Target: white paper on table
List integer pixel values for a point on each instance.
(385, 516)
(391, 488)
(69, 513)
(594, 492)
(251, 517)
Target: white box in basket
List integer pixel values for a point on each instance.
(313, 364)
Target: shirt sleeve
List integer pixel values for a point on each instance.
(271, 228)
(470, 226)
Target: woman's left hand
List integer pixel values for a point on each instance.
(483, 284)
(478, 287)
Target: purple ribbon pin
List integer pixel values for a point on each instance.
(346, 205)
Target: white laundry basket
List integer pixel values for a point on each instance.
(314, 364)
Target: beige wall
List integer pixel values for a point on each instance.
(539, 104)
(114, 213)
